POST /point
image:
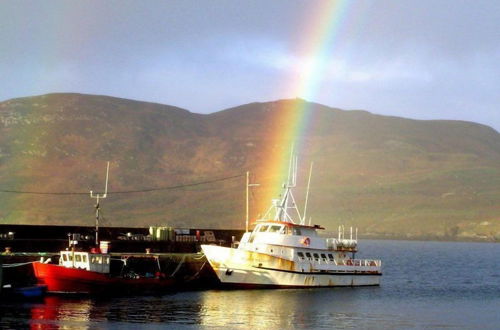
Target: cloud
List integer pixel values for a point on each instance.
(417, 59)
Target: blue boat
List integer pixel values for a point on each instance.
(30, 292)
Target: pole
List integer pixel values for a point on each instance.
(97, 221)
(247, 218)
(247, 211)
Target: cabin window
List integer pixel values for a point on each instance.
(308, 255)
(323, 256)
(316, 256)
(70, 257)
(274, 229)
(296, 231)
(65, 257)
(84, 258)
(106, 260)
(300, 255)
(263, 229)
(78, 258)
(330, 256)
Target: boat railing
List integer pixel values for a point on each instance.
(347, 262)
(359, 262)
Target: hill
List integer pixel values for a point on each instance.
(389, 176)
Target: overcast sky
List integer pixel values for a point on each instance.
(416, 59)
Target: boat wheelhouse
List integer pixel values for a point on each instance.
(94, 262)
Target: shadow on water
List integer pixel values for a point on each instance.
(425, 284)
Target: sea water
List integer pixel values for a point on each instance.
(424, 285)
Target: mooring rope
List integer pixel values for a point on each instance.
(179, 266)
(17, 264)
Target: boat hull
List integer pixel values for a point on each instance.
(59, 279)
(239, 268)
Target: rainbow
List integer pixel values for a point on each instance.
(291, 121)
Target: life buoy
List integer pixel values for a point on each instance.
(306, 241)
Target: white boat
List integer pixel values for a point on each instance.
(282, 251)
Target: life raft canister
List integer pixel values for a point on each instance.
(306, 241)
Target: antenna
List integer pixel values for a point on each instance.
(307, 193)
(97, 197)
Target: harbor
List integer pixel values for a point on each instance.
(281, 251)
(175, 252)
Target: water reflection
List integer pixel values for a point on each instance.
(56, 312)
(316, 308)
(85, 313)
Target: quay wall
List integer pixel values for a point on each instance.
(35, 238)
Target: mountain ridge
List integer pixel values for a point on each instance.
(363, 161)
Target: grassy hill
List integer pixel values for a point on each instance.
(389, 176)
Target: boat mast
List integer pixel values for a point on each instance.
(307, 195)
(97, 197)
(288, 201)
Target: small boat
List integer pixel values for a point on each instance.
(30, 292)
(90, 273)
(284, 251)
(23, 292)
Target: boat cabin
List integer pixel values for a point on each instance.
(285, 229)
(95, 262)
(293, 235)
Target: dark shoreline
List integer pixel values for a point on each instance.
(53, 238)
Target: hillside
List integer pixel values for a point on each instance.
(389, 176)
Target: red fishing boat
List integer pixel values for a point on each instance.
(90, 273)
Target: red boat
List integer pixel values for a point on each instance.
(89, 273)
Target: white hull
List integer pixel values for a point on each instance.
(244, 268)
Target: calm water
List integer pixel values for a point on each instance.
(425, 285)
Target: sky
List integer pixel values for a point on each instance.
(417, 59)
